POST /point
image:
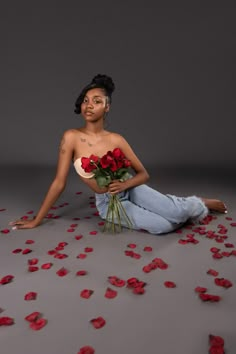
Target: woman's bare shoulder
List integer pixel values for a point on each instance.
(70, 134)
(117, 138)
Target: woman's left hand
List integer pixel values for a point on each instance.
(116, 186)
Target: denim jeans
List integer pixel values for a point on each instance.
(153, 211)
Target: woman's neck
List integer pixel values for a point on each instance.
(93, 129)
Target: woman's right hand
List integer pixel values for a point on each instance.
(23, 224)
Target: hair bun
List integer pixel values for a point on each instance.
(104, 81)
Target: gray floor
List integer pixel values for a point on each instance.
(163, 320)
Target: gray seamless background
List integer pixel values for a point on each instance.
(173, 66)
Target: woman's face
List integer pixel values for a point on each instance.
(94, 105)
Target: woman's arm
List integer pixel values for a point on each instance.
(58, 184)
(141, 175)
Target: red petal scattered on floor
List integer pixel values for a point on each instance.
(98, 322)
(110, 293)
(6, 321)
(70, 230)
(28, 242)
(60, 255)
(217, 255)
(46, 265)
(5, 231)
(38, 324)
(78, 237)
(86, 293)
(209, 297)
(81, 272)
(214, 249)
(33, 316)
(88, 249)
(62, 272)
(52, 252)
(169, 284)
(233, 224)
(200, 289)
(216, 345)
(132, 245)
(33, 268)
(30, 296)
(225, 283)
(86, 350)
(114, 280)
(138, 290)
(26, 251)
(81, 255)
(229, 245)
(6, 279)
(147, 249)
(17, 250)
(33, 261)
(212, 272)
(93, 233)
(3, 209)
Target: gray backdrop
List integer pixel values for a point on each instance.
(173, 66)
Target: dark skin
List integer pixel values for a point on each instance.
(94, 139)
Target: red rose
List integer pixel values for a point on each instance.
(87, 164)
(126, 163)
(118, 153)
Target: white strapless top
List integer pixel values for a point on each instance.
(80, 170)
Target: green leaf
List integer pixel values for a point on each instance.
(103, 181)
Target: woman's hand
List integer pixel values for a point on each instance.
(23, 224)
(116, 186)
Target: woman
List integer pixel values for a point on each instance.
(147, 208)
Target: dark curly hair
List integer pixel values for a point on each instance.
(103, 82)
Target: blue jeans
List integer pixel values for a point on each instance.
(153, 211)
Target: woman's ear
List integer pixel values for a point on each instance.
(107, 108)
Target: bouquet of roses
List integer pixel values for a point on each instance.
(112, 166)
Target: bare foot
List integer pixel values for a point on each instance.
(215, 205)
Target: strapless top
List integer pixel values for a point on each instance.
(80, 170)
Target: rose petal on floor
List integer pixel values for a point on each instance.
(46, 265)
(86, 350)
(6, 279)
(30, 296)
(62, 272)
(33, 316)
(6, 321)
(110, 293)
(98, 322)
(169, 284)
(86, 293)
(38, 324)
